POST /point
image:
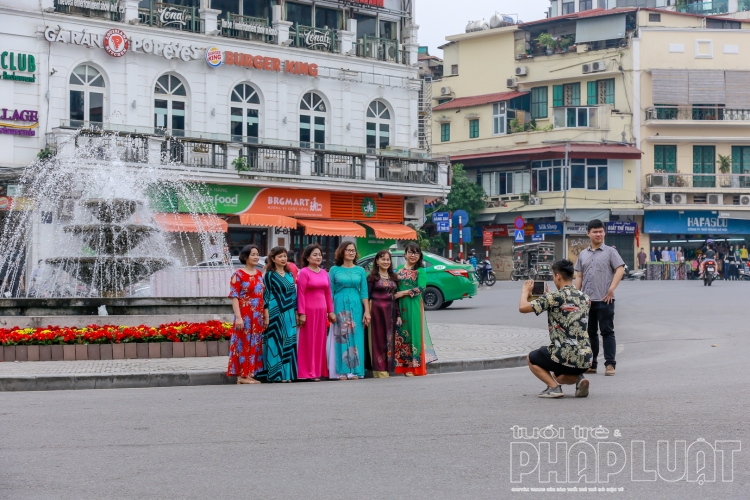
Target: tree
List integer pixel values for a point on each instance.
(465, 195)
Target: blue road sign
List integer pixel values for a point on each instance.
(464, 217)
(443, 226)
(519, 235)
(441, 217)
(537, 237)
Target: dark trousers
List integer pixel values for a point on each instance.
(602, 319)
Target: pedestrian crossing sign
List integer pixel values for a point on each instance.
(519, 235)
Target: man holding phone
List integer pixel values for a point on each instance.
(599, 269)
(568, 354)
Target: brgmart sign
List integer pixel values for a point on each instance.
(23, 63)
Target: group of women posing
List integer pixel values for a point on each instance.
(311, 324)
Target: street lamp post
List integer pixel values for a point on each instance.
(566, 186)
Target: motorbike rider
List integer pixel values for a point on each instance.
(708, 253)
(473, 258)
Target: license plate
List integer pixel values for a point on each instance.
(710, 269)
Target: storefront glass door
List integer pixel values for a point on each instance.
(301, 240)
(239, 237)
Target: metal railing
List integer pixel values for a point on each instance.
(275, 161)
(340, 166)
(110, 10)
(255, 141)
(687, 181)
(314, 38)
(194, 154)
(167, 15)
(705, 8)
(382, 49)
(247, 28)
(697, 113)
(406, 171)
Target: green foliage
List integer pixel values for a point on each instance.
(45, 153)
(241, 164)
(725, 163)
(546, 40)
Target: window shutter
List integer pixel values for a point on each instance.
(669, 86)
(736, 160)
(576, 94)
(706, 87)
(658, 157)
(557, 96)
(591, 94)
(737, 89)
(609, 90)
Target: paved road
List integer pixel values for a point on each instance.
(442, 436)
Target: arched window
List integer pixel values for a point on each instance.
(378, 126)
(244, 113)
(86, 96)
(312, 120)
(170, 103)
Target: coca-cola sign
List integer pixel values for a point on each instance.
(171, 16)
(316, 38)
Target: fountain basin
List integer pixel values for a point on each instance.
(110, 273)
(111, 238)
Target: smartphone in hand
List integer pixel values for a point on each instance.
(538, 289)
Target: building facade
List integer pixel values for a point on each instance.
(576, 82)
(262, 100)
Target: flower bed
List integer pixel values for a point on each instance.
(94, 342)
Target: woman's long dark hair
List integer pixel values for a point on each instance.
(413, 247)
(275, 252)
(309, 249)
(375, 272)
(338, 256)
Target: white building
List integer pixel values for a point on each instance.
(309, 95)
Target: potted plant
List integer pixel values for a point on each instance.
(241, 164)
(725, 167)
(548, 41)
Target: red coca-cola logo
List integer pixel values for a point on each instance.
(115, 42)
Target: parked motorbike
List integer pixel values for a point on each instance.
(634, 275)
(709, 274)
(485, 276)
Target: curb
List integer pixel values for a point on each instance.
(65, 382)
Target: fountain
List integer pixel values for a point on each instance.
(83, 233)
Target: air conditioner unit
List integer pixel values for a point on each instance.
(533, 200)
(414, 209)
(657, 199)
(714, 199)
(679, 199)
(522, 71)
(593, 67)
(745, 200)
(512, 83)
(582, 47)
(391, 53)
(445, 91)
(658, 180)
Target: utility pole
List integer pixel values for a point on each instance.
(566, 186)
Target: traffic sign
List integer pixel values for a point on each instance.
(518, 223)
(519, 235)
(537, 237)
(441, 217)
(487, 238)
(463, 214)
(443, 226)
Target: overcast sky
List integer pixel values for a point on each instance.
(440, 18)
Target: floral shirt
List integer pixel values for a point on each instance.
(568, 316)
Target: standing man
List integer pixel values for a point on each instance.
(665, 255)
(599, 270)
(642, 259)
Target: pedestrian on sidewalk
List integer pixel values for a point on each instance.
(658, 254)
(246, 292)
(642, 259)
(413, 345)
(599, 270)
(315, 308)
(280, 301)
(382, 284)
(653, 254)
(568, 354)
(346, 339)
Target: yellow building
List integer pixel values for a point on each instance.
(513, 98)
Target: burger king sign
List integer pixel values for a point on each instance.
(213, 57)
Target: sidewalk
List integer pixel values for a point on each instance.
(459, 348)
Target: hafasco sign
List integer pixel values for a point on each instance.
(18, 62)
(172, 16)
(269, 64)
(167, 50)
(249, 28)
(115, 42)
(29, 121)
(213, 57)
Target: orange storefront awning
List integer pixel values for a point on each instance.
(392, 231)
(268, 220)
(187, 223)
(332, 228)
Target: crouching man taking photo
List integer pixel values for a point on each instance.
(568, 354)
